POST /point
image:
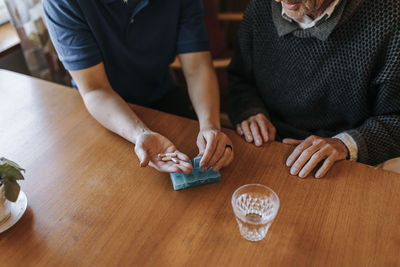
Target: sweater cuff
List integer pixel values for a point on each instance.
(350, 143)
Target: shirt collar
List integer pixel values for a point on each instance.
(306, 22)
(109, 1)
(321, 30)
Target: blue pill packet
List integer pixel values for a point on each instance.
(195, 178)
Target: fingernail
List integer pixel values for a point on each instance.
(317, 175)
(293, 171)
(258, 143)
(302, 174)
(288, 163)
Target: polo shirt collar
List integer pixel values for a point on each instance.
(109, 1)
(139, 6)
(323, 28)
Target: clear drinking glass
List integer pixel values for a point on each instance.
(255, 207)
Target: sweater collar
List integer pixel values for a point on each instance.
(321, 30)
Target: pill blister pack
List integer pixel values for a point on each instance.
(195, 178)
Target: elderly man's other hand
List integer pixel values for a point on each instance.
(150, 144)
(257, 129)
(311, 151)
(215, 147)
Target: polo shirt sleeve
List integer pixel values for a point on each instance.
(70, 34)
(192, 34)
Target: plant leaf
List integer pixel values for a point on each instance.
(4, 161)
(11, 190)
(10, 172)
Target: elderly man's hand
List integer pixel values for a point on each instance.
(150, 144)
(257, 129)
(215, 147)
(311, 151)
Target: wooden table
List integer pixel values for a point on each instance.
(9, 40)
(89, 204)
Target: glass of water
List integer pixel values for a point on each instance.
(255, 207)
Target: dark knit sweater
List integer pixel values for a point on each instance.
(343, 75)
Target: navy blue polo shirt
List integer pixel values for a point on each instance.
(136, 42)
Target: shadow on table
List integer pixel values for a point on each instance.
(22, 228)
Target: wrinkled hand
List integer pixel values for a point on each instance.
(313, 150)
(212, 144)
(150, 144)
(257, 129)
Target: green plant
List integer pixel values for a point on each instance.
(10, 173)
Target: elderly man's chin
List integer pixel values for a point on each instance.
(294, 11)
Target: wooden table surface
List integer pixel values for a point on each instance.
(89, 204)
(9, 40)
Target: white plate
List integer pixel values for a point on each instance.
(17, 210)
